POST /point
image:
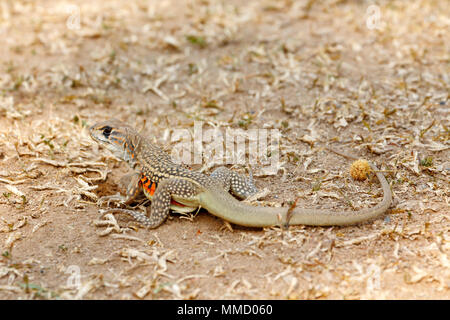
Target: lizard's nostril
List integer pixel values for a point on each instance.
(91, 128)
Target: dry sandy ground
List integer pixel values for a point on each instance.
(371, 80)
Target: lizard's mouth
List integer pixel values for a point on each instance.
(96, 135)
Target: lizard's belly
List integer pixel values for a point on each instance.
(182, 205)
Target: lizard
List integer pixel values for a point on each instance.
(171, 186)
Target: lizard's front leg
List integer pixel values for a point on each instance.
(134, 188)
(161, 200)
(130, 182)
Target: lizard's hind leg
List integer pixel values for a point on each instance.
(239, 185)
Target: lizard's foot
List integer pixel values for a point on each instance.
(139, 216)
(117, 198)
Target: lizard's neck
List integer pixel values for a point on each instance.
(140, 152)
(131, 149)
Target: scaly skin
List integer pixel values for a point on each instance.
(171, 186)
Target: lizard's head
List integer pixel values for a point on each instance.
(117, 137)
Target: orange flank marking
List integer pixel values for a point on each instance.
(152, 188)
(145, 182)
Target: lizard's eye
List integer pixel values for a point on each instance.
(107, 131)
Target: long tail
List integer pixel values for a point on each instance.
(225, 206)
